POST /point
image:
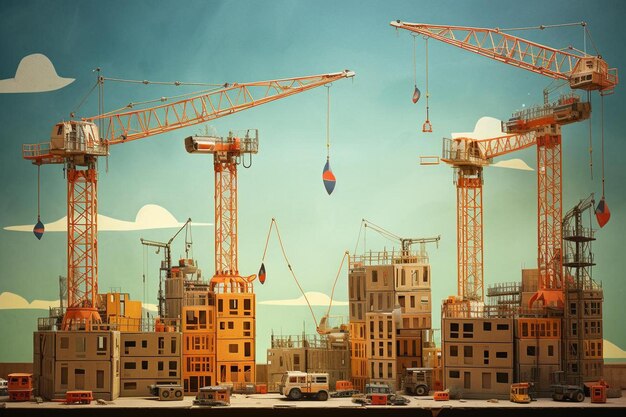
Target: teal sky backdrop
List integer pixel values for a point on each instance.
(375, 134)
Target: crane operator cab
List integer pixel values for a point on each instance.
(74, 137)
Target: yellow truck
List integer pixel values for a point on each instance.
(519, 393)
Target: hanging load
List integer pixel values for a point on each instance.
(603, 214)
(39, 229)
(329, 178)
(262, 273)
(416, 95)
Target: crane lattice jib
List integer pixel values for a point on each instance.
(503, 145)
(512, 50)
(137, 124)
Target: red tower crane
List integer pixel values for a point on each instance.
(582, 71)
(77, 144)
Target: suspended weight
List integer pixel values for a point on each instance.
(416, 95)
(603, 214)
(329, 178)
(262, 273)
(39, 229)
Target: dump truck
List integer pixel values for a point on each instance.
(417, 381)
(296, 385)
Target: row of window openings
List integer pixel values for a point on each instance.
(593, 349)
(79, 378)
(81, 344)
(380, 370)
(144, 345)
(541, 329)
(402, 278)
(501, 378)
(468, 352)
(234, 348)
(591, 328)
(468, 329)
(173, 366)
(592, 308)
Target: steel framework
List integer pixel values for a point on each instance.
(78, 143)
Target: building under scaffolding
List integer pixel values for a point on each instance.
(309, 353)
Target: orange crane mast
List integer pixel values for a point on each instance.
(77, 144)
(582, 71)
(468, 157)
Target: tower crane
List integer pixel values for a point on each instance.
(167, 254)
(581, 71)
(77, 144)
(405, 243)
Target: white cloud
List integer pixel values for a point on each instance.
(612, 351)
(35, 74)
(11, 301)
(486, 127)
(514, 163)
(149, 216)
(315, 298)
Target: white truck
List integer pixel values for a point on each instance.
(296, 385)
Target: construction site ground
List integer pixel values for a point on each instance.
(275, 404)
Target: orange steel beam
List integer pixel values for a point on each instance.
(82, 248)
(513, 50)
(132, 125)
(550, 213)
(469, 185)
(468, 157)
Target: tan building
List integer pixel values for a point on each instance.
(390, 312)
(477, 356)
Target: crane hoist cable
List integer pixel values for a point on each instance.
(416, 91)
(603, 214)
(427, 127)
(39, 228)
(327, 174)
(274, 224)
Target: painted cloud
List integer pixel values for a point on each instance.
(10, 301)
(315, 298)
(149, 216)
(35, 74)
(612, 351)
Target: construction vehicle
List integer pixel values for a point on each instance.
(167, 392)
(213, 396)
(78, 397)
(561, 392)
(77, 145)
(296, 385)
(582, 71)
(20, 386)
(598, 392)
(441, 395)
(379, 394)
(417, 381)
(344, 389)
(520, 393)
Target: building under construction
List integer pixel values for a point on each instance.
(390, 315)
(309, 353)
(512, 338)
